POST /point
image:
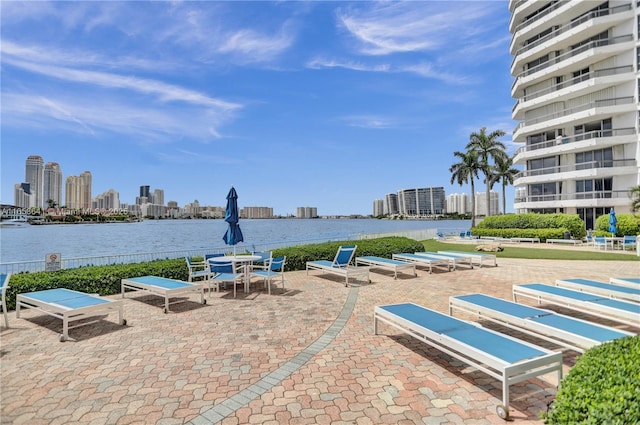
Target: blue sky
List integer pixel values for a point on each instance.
(323, 104)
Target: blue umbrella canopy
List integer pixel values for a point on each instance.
(613, 222)
(233, 235)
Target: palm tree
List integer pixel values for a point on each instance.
(635, 198)
(464, 171)
(487, 147)
(504, 172)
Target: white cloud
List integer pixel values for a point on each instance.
(369, 121)
(393, 27)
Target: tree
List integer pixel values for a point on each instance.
(504, 172)
(635, 199)
(466, 171)
(488, 148)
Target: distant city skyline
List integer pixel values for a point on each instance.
(330, 104)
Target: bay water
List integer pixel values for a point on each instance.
(33, 242)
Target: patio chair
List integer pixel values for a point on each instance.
(341, 265)
(265, 256)
(197, 269)
(4, 284)
(273, 269)
(628, 241)
(600, 242)
(223, 273)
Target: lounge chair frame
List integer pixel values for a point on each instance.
(387, 263)
(4, 285)
(423, 260)
(595, 305)
(341, 265)
(601, 288)
(69, 306)
(478, 257)
(630, 282)
(575, 334)
(163, 287)
(454, 259)
(445, 340)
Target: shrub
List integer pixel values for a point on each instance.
(102, 280)
(628, 224)
(601, 388)
(531, 225)
(381, 247)
(105, 280)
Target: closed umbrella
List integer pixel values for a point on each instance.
(233, 235)
(613, 222)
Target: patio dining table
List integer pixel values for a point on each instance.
(244, 261)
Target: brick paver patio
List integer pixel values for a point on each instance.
(307, 355)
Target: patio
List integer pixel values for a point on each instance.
(307, 355)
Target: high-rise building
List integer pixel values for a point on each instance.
(34, 175)
(158, 197)
(459, 203)
(78, 191)
(378, 207)
(22, 195)
(481, 203)
(109, 200)
(256, 212)
(52, 185)
(575, 66)
(421, 202)
(391, 203)
(306, 212)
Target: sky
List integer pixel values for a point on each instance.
(294, 103)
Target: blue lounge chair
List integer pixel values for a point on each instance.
(273, 269)
(478, 257)
(596, 305)
(341, 265)
(423, 260)
(454, 259)
(575, 334)
(632, 282)
(162, 287)
(386, 263)
(601, 288)
(500, 356)
(69, 306)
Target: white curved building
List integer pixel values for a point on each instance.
(575, 65)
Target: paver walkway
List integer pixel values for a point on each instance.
(303, 356)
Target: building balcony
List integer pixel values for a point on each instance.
(576, 115)
(516, 23)
(580, 171)
(581, 28)
(574, 87)
(581, 142)
(603, 198)
(573, 60)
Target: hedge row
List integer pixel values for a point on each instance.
(105, 280)
(543, 234)
(531, 225)
(627, 224)
(602, 387)
(381, 247)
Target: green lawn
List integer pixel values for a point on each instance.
(534, 253)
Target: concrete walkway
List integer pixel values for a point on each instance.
(306, 355)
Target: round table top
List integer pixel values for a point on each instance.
(234, 258)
